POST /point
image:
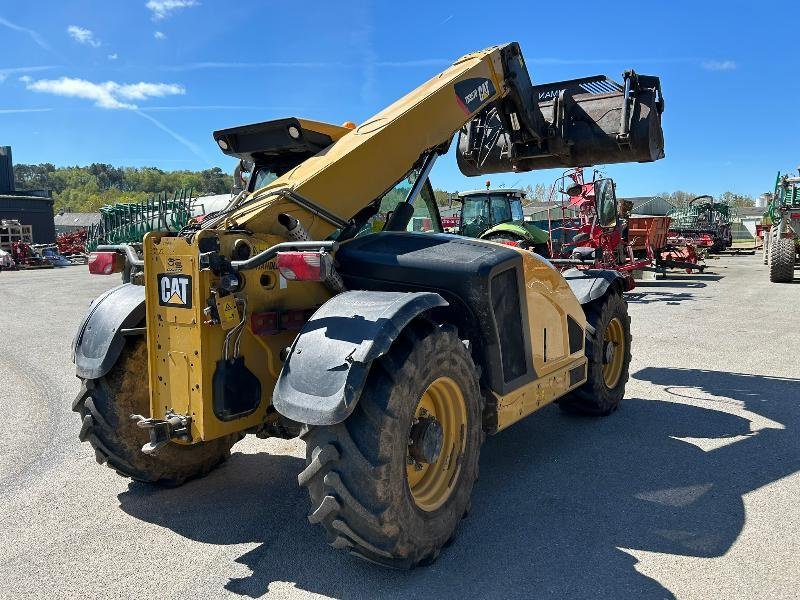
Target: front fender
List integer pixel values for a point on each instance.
(328, 362)
(99, 340)
(591, 284)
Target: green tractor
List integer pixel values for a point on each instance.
(496, 215)
(782, 244)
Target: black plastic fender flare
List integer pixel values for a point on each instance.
(591, 284)
(99, 340)
(329, 361)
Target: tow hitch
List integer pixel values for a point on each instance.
(174, 427)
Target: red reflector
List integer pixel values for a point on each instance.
(272, 322)
(264, 323)
(510, 243)
(304, 266)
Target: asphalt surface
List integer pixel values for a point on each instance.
(689, 490)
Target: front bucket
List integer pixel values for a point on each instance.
(585, 122)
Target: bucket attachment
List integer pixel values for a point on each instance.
(575, 123)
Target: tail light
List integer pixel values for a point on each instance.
(105, 263)
(304, 266)
(514, 243)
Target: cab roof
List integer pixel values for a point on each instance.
(484, 192)
(264, 142)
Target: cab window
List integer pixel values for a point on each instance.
(516, 210)
(262, 177)
(475, 217)
(501, 211)
(426, 213)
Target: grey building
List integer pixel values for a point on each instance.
(67, 222)
(29, 207)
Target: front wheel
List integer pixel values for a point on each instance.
(608, 351)
(392, 482)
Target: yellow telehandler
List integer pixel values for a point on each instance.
(325, 302)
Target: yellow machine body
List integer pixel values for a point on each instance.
(358, 166)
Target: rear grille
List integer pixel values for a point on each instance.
(508, 316)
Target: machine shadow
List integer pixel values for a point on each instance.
(653, 297)
(558, 499)
(671, 283)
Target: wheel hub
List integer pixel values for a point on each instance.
(426, 440)
(608, 351)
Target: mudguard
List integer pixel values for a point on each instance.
(328, 363)
(591, 284)
(528, 232)
(99, 340)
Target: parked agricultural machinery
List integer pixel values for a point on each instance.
(496, 215)
(595, 231)
(703, 224)
(127, 223)
(782, 243)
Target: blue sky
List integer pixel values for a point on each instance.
(146, 82)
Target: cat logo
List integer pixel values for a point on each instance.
(175, 290)
(473, 92)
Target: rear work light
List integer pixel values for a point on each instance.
(305, 266)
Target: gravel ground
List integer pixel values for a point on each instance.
(689, 490)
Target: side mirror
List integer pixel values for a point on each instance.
(606, 201)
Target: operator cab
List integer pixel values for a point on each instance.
(483, 209)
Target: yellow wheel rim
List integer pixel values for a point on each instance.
(613, 352)
(431, 484)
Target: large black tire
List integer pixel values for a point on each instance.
(356, 470)
(598, 396)
(105, 406)
(781, 260)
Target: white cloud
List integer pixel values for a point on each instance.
(719, 65)
(159, 35)
(109, 94)
(113, 56)
(161, 9)
(83, 36)
(26, 79)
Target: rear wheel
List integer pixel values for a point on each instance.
(781, 260)
(105, 406)
(608, 351)
(392, 482)
(506, 238)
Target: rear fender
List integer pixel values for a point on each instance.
(329, 361)
(99, 340)
(591, 284)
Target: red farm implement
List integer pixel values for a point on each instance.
(592, 234)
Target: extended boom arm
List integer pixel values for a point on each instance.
(505, 124)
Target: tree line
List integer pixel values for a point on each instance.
(86, 189)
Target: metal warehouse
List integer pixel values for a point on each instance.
(33, 208)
